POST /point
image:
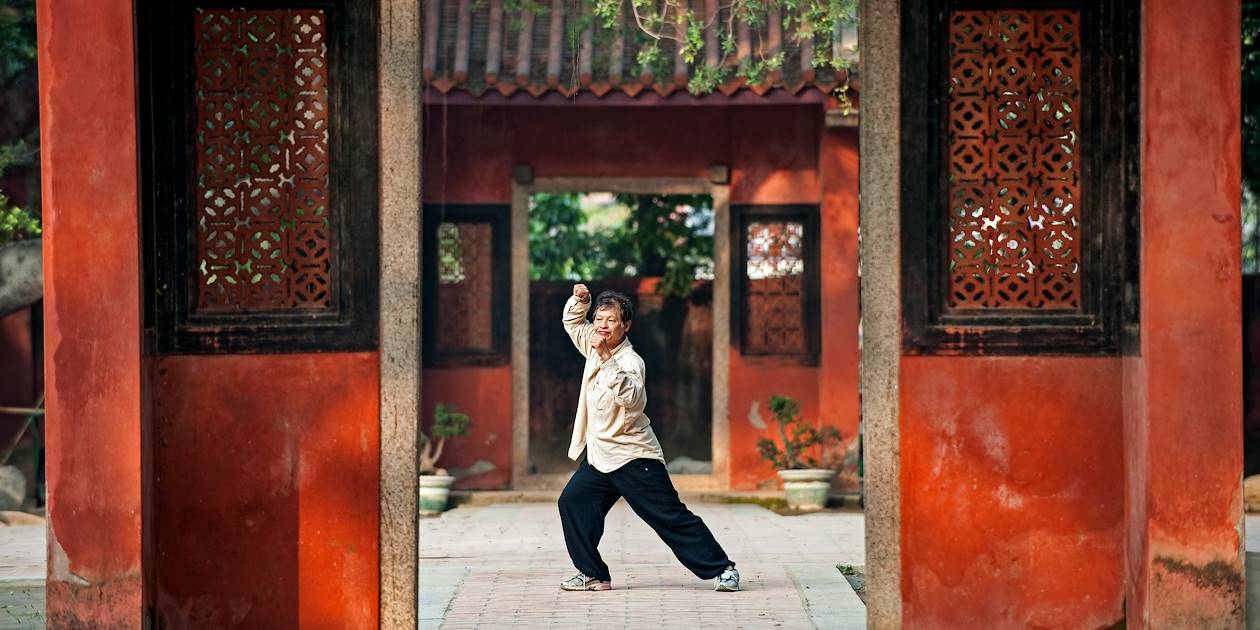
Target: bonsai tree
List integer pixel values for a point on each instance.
(447, 423)
(796, 437)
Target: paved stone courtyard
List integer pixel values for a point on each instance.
(22, 562)
(500, 566)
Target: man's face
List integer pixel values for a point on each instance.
(608, 324)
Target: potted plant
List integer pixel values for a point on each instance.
(805, 484)
(435, 484)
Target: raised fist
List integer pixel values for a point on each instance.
(581, 292)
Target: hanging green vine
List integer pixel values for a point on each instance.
(656, 22)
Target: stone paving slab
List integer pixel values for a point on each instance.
(22, 562)
(501, 565)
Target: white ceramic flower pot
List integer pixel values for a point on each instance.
(434, 491)
(806, 489)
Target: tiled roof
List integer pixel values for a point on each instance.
(479, 48)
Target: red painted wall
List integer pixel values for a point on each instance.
(92, 312)
(485, 394)
(1185, 433)
(774, 156)
(838, 361)
(772, 151)
(752, 382)
(1012, 480)
(267, 480)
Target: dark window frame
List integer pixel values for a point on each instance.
(1106, 323)
(811, 299)
(168, 163)
(499, 294)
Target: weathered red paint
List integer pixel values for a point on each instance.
(92, 312)
(772, 151)
(1012, 478)
(752, 382)
(774, 155)
(1185, 431)
(838, 360)
(775, 158)
(267, 480)
(485, 394)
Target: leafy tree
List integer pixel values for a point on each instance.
(17, 79)
(17, 38)
(1251, 134)
(664, 235)
(558, 247)
(660, 240)
(15, 223)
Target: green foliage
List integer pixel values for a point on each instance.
(796, 437)
(1251, 134)
(448, 422)
(665, 243)
(15, 154)
(17, 37)
(674, 20)
(657, 239)
(16, 223)
(17, 56)
(1251, 93)
(558, 247)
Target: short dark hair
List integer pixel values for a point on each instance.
(613, 298)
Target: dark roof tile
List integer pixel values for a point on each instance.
(477, 47)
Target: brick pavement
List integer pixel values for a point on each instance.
(500, 567)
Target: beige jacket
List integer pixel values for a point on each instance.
(610, 424)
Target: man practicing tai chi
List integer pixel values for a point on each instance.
(623, 458)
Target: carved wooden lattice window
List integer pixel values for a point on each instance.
(776, 281)
(264, 239)
(1018, 167)
(1014, 180)
(464, 273)
(466, 280)
(776, 273)
(260, 195)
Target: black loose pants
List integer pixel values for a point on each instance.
(646, 486)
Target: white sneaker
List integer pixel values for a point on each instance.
(581, 582)
(728, 581)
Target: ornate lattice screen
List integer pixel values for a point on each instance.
(775, 288)
(465, 282)
(263, 227)
(1014, 112)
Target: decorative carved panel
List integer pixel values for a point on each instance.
(775, 279)
(464, 269)
(264, 237)
(1014, 111)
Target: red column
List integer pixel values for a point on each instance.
(92, 306)
(1183, 420)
